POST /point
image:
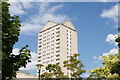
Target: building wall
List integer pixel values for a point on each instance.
(56, 42)
(23, 75)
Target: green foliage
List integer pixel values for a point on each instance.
(10, 32)
(109, 65)
(115, 69)
(54, 71)
(74, 65)
(46, 75)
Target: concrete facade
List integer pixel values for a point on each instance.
(56, 42)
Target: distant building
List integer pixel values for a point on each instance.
(56, 42)
(24, 75)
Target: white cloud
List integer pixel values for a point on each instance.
(46, 12)
(111, 13)
(16, 8)
(43, 7)
(109, 0)
(111, 38)
(29, 28)
(55, 8)
(112, 52)
(63, 0)
(27, 5)
(15, 51)
(94, 57)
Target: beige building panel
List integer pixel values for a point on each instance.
(52, 32)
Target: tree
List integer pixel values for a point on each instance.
(54, 72)
(74, 65)
(10, 32)
(105, 71)
(115, 69)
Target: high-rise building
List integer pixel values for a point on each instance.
(56, 42)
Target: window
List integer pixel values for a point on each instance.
(57, 55)
(52, 44)
(39, 49)
(48, 43)
(67, 56)
(48, 39)
(48, 32)
(44, 37)
(44, 33)
(40, 36)
(58, 32)
(47, 61)
(57, 35)
(57, 47)
(40, 39)
(57, 59)
(67, 53)
(40, 42)
(44, 48)
(58, 28)
(44, 55)
(44, 44)
(52, 34)
(39, 57)
(44, 40)
(57, 51)
(52, 60)
(48, 57)
(48, 35)
(52, 49)
(44, 51)
(52, 30)
(51, 56)
(48, 53)
(43, 70)
(52, 37)
(57, 63)
(39, 53)
(52, 41)
(40, 46)
(39, 60)
(48, 46)
(57, 39)
(52, 52)
(57, 43)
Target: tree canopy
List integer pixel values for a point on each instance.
(10, 32)
(75, 66)
(109, 69)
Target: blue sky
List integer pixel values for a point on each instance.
(95, 22)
